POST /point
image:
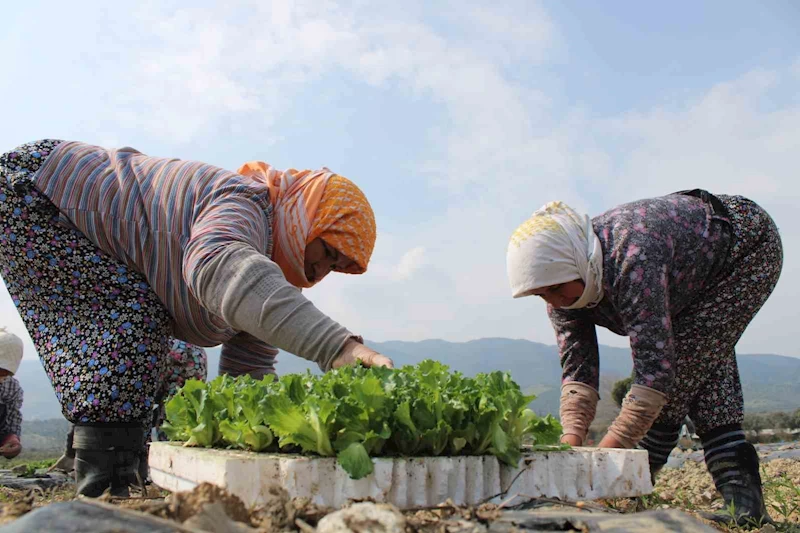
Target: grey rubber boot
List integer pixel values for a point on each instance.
(107, 457)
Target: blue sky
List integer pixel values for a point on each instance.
(457, 124)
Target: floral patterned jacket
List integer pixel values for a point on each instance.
(658, 255)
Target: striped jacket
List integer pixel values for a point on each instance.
(165, 218)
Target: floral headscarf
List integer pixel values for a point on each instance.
(310, 204)
(556, 245)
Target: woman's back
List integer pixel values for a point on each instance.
(671, 242)
(146, 211)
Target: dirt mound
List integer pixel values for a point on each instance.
(184, 505)
(282, 513)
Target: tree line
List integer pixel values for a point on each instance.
(785, 420)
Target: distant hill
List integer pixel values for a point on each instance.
(44, 435)
(771, 382)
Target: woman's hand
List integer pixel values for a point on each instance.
(11, 447)
(572, 440)
(609, 441)
(354, 351)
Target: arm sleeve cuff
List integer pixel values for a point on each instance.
(578, 408)
(640, 408)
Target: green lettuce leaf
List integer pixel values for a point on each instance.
(355, 413)
(355, 461)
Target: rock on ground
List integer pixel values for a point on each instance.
(652, 522)
(81, 516)
(41, 481)
(364, 518)
(184, 505)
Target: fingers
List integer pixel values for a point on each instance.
(371, 358)
(572, 440)
(380, 360)
(353, 352)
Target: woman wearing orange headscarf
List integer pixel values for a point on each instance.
(111, 255)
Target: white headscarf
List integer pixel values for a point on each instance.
(556, 245)
(10, 351)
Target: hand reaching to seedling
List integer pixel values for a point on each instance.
(353, 351)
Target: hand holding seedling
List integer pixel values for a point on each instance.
(353, 351)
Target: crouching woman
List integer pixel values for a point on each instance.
(682, 276)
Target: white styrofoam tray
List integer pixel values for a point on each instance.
(574, 475)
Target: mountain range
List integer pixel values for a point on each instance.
(771, 382)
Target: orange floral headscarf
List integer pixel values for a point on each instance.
(309, 204)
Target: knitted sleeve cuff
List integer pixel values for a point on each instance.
(578, 408)
(640, 408)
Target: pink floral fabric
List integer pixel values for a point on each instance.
(682, 283)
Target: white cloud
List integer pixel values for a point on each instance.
(504, 148)
(735, 138)
(724, 139)
(411, 262)
(206, 64)
(514, 31)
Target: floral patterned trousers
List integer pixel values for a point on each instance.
(101, 333)
(707, 384)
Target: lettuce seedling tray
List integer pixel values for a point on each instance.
(406, 482)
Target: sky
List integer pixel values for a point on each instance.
(456, 123)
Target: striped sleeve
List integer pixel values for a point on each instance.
(245, 354)
(233, 216)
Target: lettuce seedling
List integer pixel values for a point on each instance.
(355, 413)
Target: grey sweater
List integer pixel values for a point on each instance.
(249, 292)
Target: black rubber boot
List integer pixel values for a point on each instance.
(126, 472)
(67, 461)
(659, 442)
(93, 471)
(733, 463)
(144, 471)
(107, 457)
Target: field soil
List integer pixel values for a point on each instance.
(686, 487)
